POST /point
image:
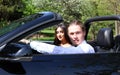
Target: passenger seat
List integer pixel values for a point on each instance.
(104, 40)
(117, 43)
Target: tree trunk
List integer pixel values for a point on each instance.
(117, 27)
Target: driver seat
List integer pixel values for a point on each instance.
(104, 40)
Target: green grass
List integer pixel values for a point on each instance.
(45, 39)
(47, 31)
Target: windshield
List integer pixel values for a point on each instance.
(13, 25)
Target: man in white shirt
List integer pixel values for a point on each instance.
(76, 32)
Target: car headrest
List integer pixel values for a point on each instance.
(105, 38)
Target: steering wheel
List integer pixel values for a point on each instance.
(17, 50)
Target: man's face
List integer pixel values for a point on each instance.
(76, 34)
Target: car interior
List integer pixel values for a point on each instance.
(105, 42)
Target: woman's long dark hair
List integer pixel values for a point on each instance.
(56, 40)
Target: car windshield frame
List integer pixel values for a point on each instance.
(17, 23)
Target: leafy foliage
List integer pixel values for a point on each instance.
(9, 9)
(69, 9)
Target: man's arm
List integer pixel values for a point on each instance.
(42, 47)
(52, 49)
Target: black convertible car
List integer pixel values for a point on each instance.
(19, 58)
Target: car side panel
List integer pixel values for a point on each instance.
(103, 63)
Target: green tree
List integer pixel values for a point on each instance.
(14, 9)
(69, 9)
(28, 7)
(9, 9)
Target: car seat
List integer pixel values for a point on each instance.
(104, 40)
(117, 43)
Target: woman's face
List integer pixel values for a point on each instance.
(60, 34)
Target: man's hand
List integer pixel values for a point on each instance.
(25, 41)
